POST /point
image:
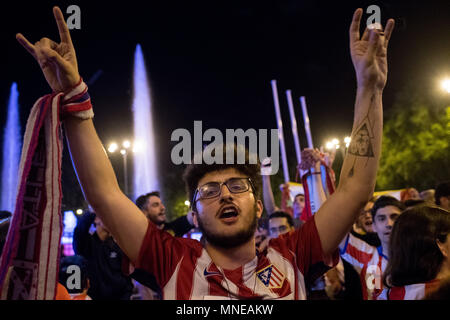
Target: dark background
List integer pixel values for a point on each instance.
(213, 61)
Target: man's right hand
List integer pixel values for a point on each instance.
(57, 60)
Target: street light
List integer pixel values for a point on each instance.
(445, 84)
(332, 144)
(347, 141)
(113, 147)
(335, 144)
(126, 144)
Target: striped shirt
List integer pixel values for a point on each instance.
(368, 261)
(184, 270)
(415, 291)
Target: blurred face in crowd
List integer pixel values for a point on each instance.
(298, 205)
(413, 193)
(384, 221)
(278, 226)
(364, 220)
(445, 202)
(229, 219)
(260, 236)
(155, 210)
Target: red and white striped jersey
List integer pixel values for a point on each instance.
(368, 261)
(415, 291)
(184, 270)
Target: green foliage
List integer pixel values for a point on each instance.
(415, 149)
(174, 193)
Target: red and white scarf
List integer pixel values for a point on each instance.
(311, 203)
(30, 261)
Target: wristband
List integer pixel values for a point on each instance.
(77, 102)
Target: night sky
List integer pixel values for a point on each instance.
(213, 60)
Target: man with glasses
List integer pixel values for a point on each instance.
(225, 197)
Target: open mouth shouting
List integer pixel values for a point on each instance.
(228, 214)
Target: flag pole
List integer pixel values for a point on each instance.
(306, 120)
(280, 130)
(294, 126)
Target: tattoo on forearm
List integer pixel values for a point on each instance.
(361, 142)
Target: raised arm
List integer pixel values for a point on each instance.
(358, 173)
(81, 237)
(95, 173)
(311, 161)
(269, 201)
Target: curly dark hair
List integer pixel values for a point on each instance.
(195, 172)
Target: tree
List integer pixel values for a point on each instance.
(415, 149)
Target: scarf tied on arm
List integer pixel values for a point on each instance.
(306, 172)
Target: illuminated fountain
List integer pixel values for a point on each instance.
(12, 145)
(145, 177)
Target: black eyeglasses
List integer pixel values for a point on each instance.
(214, 189)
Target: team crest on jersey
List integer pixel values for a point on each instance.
(271, 277)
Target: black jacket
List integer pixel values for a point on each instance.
(107, 281)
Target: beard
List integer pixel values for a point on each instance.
(234, 240)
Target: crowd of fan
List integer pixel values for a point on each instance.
(106, 273)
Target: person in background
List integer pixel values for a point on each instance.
(61, 293)
(261, 235)
(419, 254)
(442, 195)
(341, 282)
(428, 196)
(409, 193)
(370, 261)
(155, 211)
(298, 204)
(279, 222)
(105, 259)
(363, 227)
(76, 281)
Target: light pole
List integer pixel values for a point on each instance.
(347, 141)
(124, 152)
